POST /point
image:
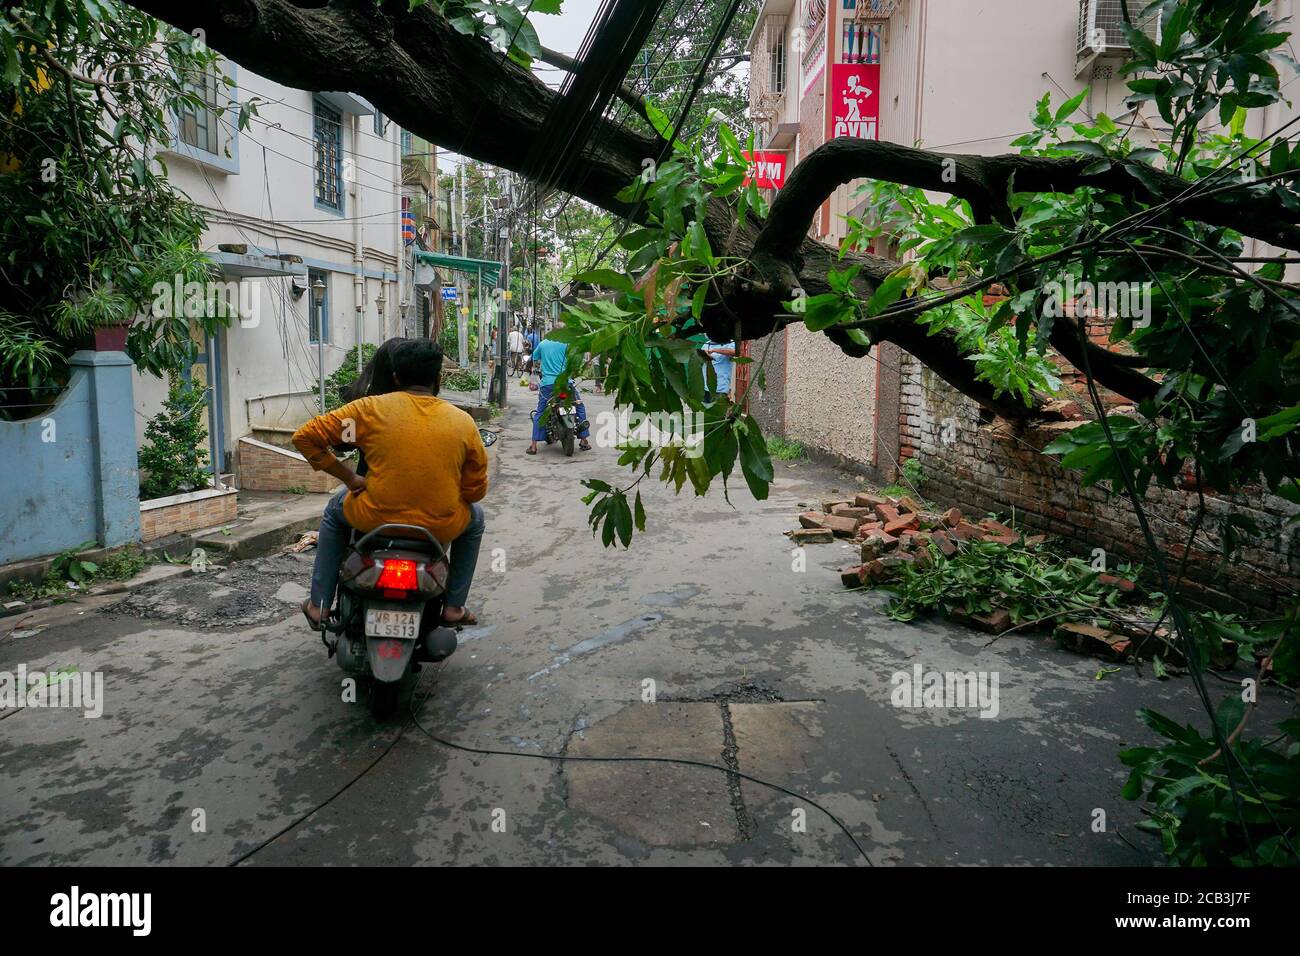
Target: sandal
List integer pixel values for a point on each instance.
(530, 451)
(465, 620)
(314, 624)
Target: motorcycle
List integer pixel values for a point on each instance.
(388, 613)
(562, 423)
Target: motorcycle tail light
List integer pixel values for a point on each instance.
(398, 575)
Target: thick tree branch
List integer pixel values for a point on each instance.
(984, 181)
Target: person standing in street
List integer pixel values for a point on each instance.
(722, 355)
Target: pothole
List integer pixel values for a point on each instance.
(244, 594)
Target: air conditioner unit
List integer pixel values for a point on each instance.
(1101, 27)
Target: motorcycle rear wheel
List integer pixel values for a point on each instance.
(567, 441)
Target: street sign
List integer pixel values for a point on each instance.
(449, 293)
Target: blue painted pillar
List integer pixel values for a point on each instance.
(112, 423)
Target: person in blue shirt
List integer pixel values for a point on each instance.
(722, 355)
(550, 359)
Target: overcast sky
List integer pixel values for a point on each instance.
(563, 33)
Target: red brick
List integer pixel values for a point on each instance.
(841, 527)
(906, 523)
(1123, 584)
(849, 511)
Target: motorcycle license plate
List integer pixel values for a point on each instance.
(565, 410)
(385, 622)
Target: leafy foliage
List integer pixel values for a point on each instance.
(172, 458)
(648, 335)
(1194, 811)
(503, 23)
(90, 223)
(1031, 582)
(338, 382)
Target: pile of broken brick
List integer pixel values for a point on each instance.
(895, 532)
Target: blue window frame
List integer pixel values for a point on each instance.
(328, 129)
(318, 318)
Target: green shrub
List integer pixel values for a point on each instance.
(173, 459)
(345, 376)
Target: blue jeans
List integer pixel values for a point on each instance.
(544, 396)
(332, 543)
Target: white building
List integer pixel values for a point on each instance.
(306, 202)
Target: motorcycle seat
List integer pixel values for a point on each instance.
(399, 538)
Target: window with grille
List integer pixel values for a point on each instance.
(777, 79)
(329, 157)
(197, 124)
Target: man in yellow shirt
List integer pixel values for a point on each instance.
(426, 466)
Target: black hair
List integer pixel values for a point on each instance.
(418, 362)
(376, 376)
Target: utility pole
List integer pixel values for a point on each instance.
(501, 378)
(462, 294)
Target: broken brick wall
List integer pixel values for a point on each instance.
(997, 467)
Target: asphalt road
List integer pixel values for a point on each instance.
(224, 725)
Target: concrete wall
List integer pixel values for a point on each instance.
(72, 470)
(263, 196)
(830, 397)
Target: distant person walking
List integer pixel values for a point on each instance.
(515, 342)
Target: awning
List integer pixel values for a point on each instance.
(486, 269)
(346, 102)
(243, 266)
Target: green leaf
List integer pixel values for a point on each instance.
(1070, 105)
(1085, 147)
(607, 278)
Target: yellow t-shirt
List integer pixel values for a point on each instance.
(425, 457)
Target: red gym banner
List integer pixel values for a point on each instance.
(855, 100)
(767, 169)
